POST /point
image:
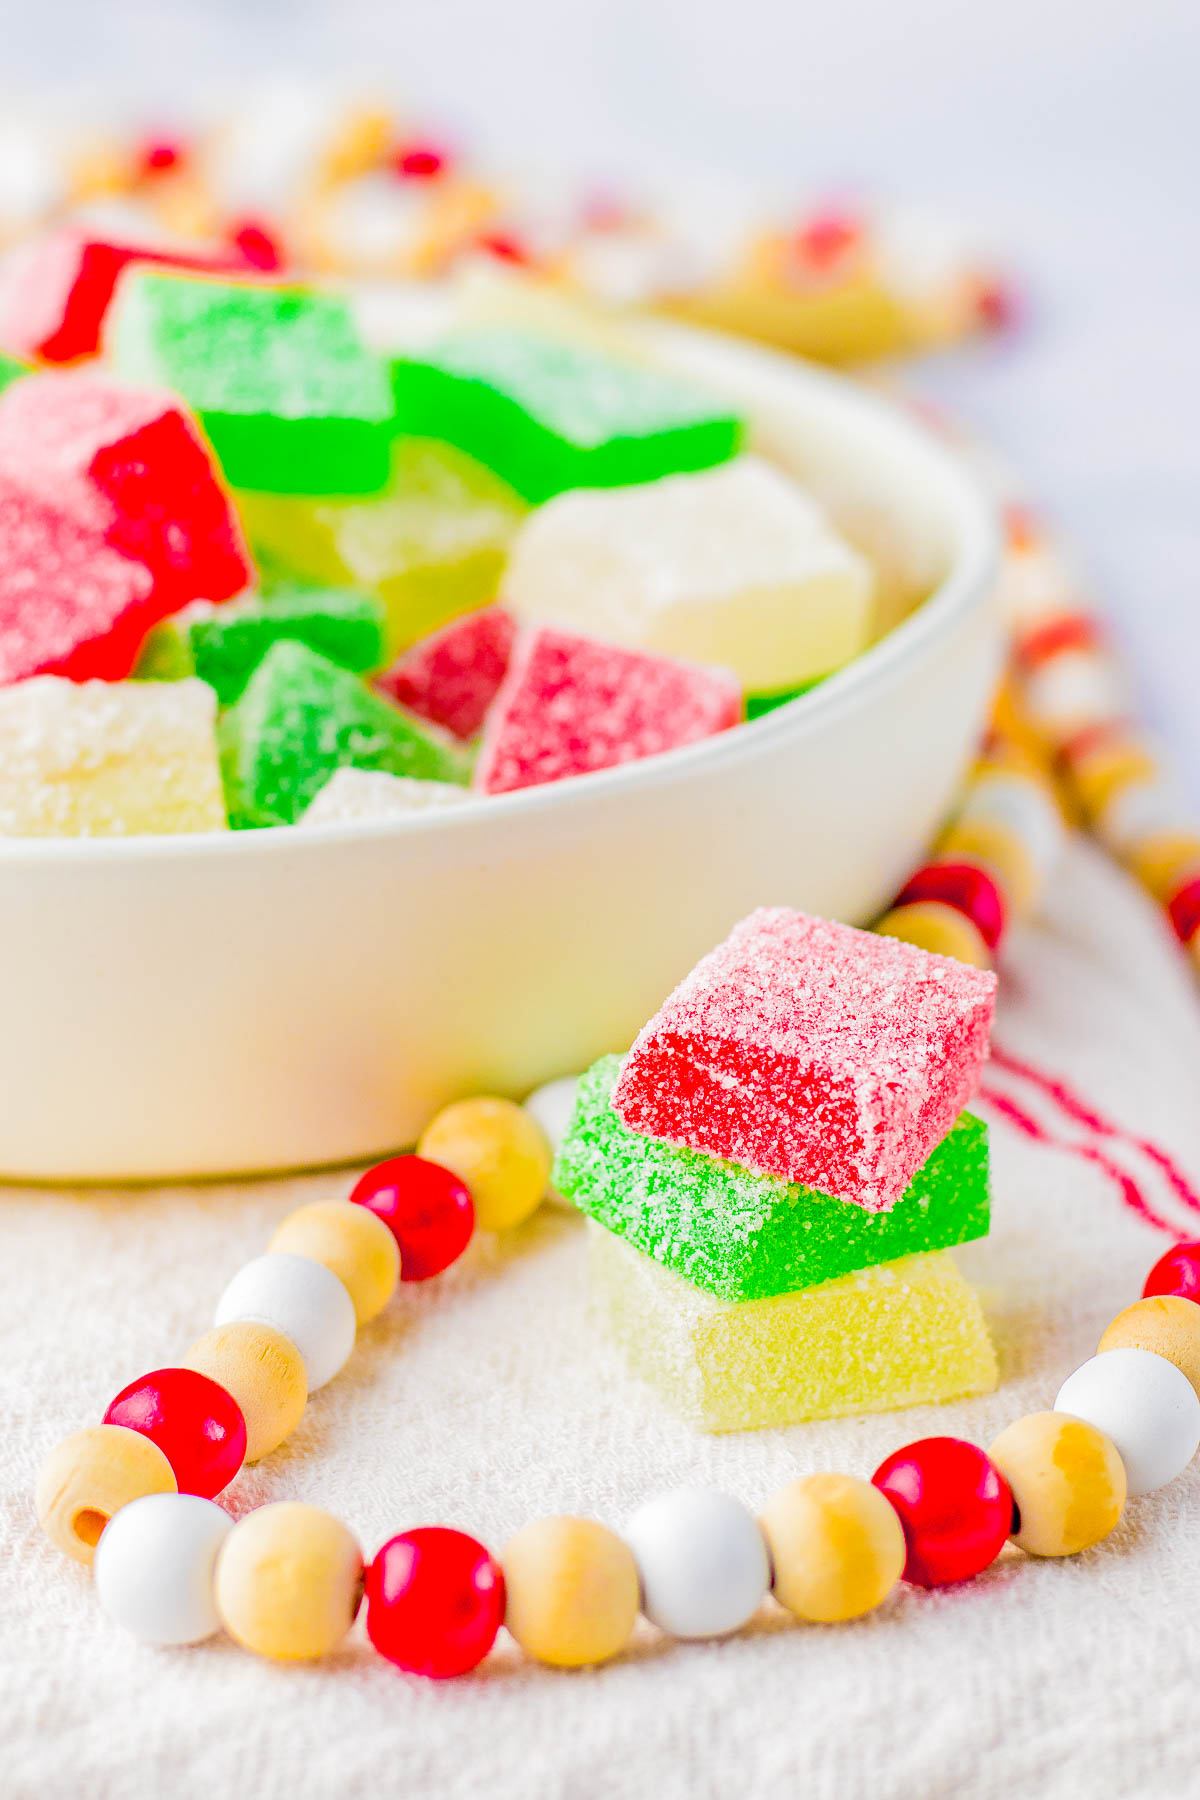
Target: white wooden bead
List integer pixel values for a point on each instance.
(552, 1107)
(302, 1299)
(154, 1565)
(1141, 809)
(1074, 689)
(1148, 1408)
(702, 1562)
(1028, 811)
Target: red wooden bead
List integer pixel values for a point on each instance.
(195, 1422)
(159, 155)
(1176, 1272)
(505, 246)
(954, 1504)
(827, 237)
(256, 246)
(1184, 908)
(427, 1209)
(435, 1601)
(964, 886)
(419, 162)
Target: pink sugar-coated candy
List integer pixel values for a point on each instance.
(572, 704)
(813, 1051)
(69, 605)
(453, 676)
(129, 464)
(966, 887)
(61, 287)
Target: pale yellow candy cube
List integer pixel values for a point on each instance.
(736, 565)
(896, 1335)
(108, 759)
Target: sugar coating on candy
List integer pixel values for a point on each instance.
(902, 1334)
(62, 285)
(288, 394)
(813, 1051)
(453, 676)
(373, 794)
(108, 759)
(225, 644)
(128, 463)
(69, 604)
(737, 565)
(747, 1237)
(570, 705)
(300, 719)
(547, 414)
(432, 546)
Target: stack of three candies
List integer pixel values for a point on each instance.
(775, 1173)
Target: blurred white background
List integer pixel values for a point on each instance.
(1064, 132)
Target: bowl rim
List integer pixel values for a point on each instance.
(966, 584)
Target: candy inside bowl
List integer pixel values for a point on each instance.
(222, 1002)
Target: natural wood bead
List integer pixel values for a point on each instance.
(1109, 767)
(1067, 1481)
(837, 1546)
(499, 1151)
(264, 1372)
(572, 1591)
(289, 1581)
(932, 925)
(90, 1476)
(1164, 860)
(1001, 852)
(351, 1242)
(1165, 1323)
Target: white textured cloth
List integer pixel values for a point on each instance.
(484, 1400)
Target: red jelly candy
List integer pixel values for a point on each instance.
(1176, 1272)
(964, 886)
(435, 1601)
(954, 1504)
(196, 1424)
(61, 288)
(427, 1209)
(129, 463)
(452, 677)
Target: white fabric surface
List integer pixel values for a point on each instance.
(485, 1400)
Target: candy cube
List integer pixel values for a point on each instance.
(299, 719)
(128, 463)
(62, 286)
(815, 1052)
(10, 370)
(432, 547)
(759, 705)
(570, 705)
(747, 1237)
(107, 759)
(453, 676)
(290, 398)
(373, 794)
(546, 414)
(737, 566)
(225, 644)
(902, 1334)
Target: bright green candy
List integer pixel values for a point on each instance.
(291, 400)
(225, 644)
(547, 415)
(299, 719)
(749, 1237)
(758, 705)
(10, 370)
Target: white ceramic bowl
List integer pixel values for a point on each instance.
(273, 999)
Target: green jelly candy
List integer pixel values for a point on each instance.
(758, 705)
(433, 545)
(291, 400)
(548, 415)
(742, 1236)
(299, 719)
(225, 644)
(10, 370)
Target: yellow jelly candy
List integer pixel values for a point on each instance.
(837, 1546)
(572, 1591)
(896, 1335)
(289, 1581)
(1067, 1481)
(499, 1151)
